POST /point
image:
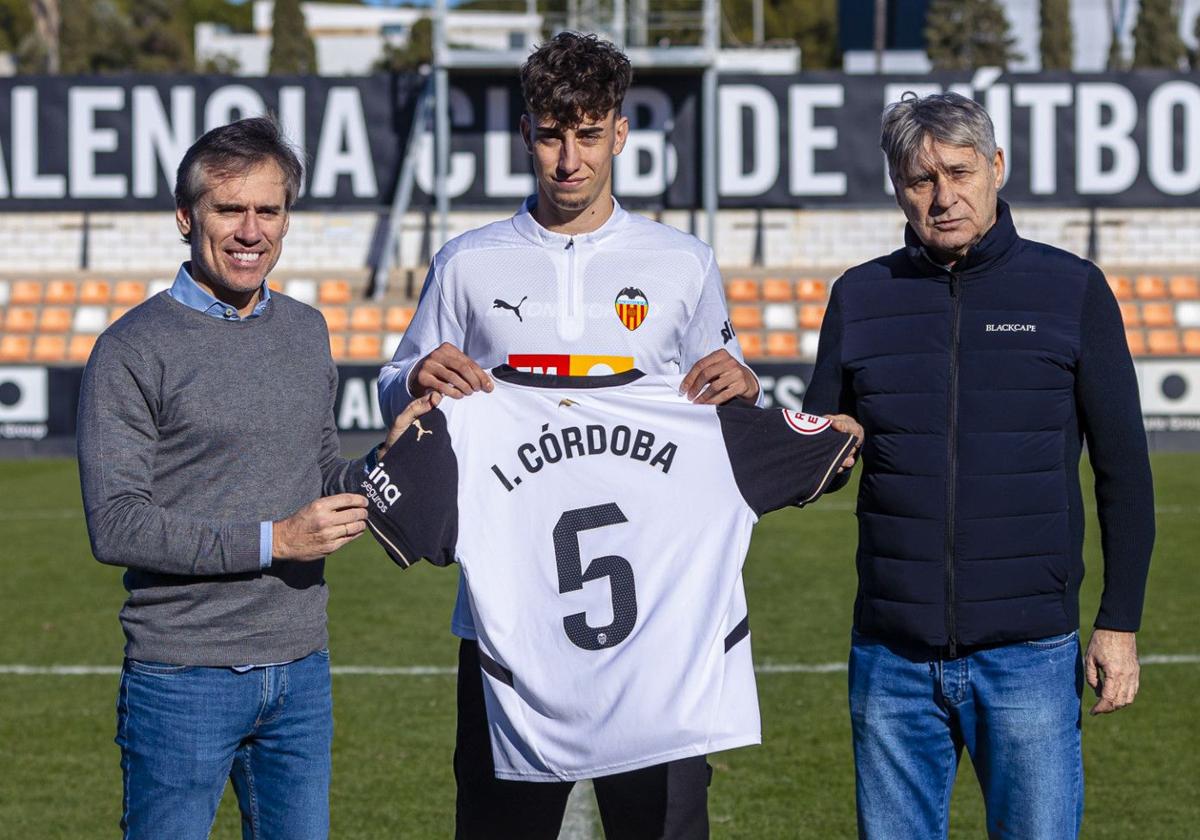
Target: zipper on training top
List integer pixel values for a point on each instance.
(572, 309)
(571, 292)
(952, 460)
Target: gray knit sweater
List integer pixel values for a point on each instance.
(192, 431)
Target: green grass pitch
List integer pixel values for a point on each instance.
(394, 734)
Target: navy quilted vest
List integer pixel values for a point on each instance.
(970, 513)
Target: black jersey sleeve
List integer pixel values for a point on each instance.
(781, 457)
(412, 495)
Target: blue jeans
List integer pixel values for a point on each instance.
(184, 730)
(1016, 708)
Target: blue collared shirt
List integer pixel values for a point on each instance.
(188, 292)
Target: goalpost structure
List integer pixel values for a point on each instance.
(628, 28)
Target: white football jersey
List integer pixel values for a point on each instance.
(633, 293)
(601, 524)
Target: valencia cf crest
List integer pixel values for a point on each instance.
(632, 307)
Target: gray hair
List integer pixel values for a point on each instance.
(235, 149)
(948, 118)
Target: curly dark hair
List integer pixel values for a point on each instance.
(573, 77)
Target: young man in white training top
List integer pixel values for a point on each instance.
(571, 285)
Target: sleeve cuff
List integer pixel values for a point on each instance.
(266, 532)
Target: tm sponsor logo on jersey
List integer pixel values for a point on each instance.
(570, 442)
(805, 424)
(1029, 328)
(632, 307)
(379, 488)
(573, 364)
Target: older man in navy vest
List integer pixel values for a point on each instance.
(979, 363)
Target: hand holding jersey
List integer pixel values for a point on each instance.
(846, 423)
(719, 378)
(552, 483)
(323, 526)
(448, 371)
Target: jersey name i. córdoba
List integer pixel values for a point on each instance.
(601, 524)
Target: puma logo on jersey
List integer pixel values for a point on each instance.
(421, 430)
(565, 403)
(500, 304)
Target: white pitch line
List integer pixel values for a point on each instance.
(800, 668)
(433, 671)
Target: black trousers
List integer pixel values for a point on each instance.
(668, 801)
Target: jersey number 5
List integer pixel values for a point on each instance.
(572, 576)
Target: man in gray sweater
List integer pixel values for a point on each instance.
(209, 461)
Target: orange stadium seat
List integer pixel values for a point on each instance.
(751, 344)
(811, 289)
(1191, 342)
(777, 289)
(21, 319)
(55, 319)
(366, 319)
(811, 316)
(1137, 342)
(1158, 314)
(783, 344)
(336, 318)
(80, 347)
(116, 312)
(15, 348)
(129, 292)
(50, 348)
(1149, 287)
(1185, 287)
(1122, 287)
(274, 285)
(746, 317)
(337, 346)
(61, 291)
(741, 289)
(365, 347)
(398, 318)
(95, 291)
(333, 291)
(1131, 314)
(1163, 343)
(25, 293)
